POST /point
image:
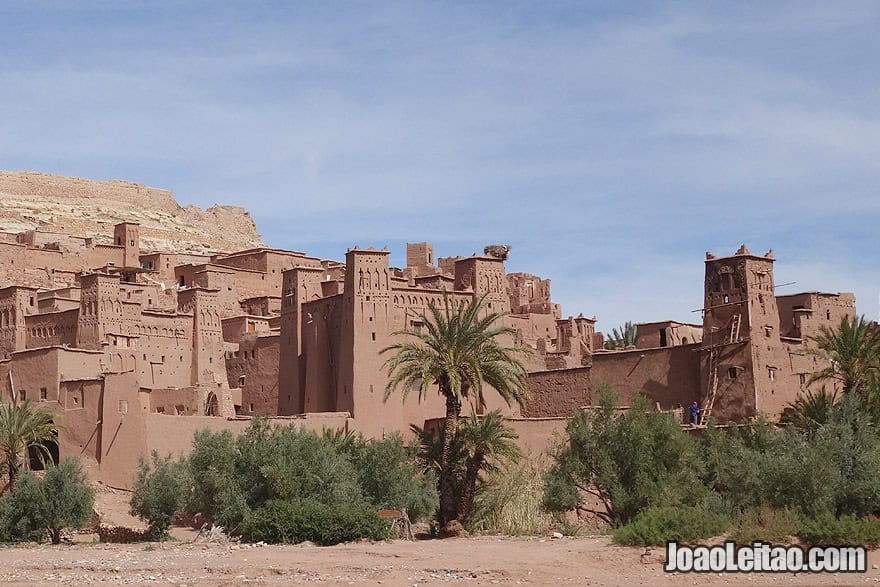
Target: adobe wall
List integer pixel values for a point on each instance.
(52, 328)
(164, 349)
(255, 371)
(262, 305)
(23, 265)
(669, 376)
(78, 409)
(539, 436)
(663, 334)
(815, 311)
(173, 401)
(558, 393)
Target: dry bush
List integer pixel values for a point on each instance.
(510, 501)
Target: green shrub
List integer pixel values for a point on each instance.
(24, 510)
(656, 526)
(160, 490)
(765, 524)
(825, 529)
(233, 480)
(212, 465)
(68, 498)
(40, 508)
(631, 461)
(390, 477)
(290, 522)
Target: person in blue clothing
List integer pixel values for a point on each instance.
(695, 413)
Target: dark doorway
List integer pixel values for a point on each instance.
(37, 459)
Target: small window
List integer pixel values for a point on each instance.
(731, 373)
(771, 372)
(251, 407)
(374, 335)
(803, 378)
(22, 395)
(828, 314)
(241, 380)
(725, 299)
(44, 394)
(123, 406)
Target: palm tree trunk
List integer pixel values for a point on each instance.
(13, 473)
(447, 487)
(474, 464)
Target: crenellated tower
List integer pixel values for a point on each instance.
(485, 277)
(366, 329)
(299, 285)
(208, 367)
(15, 304)
(127, 235)
(100, 310)
(743, 357)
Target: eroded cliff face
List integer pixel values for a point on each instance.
(90, 208)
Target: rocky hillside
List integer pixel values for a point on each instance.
(86, 207)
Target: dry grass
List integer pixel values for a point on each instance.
(510, 500)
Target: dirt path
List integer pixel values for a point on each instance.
(468, 561)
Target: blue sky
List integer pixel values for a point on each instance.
(611, 143)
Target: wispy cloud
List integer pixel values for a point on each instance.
(611, 146)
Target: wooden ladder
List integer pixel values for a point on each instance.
(735, 324)
(734, 327)
(713, 387)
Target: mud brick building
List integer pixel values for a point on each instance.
(136, 344)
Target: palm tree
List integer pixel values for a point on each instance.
(24, 426)
(854, 350)
(458, 352)
(486, 440)
(810, 411)
(622, 337)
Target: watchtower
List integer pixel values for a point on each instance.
(743, 357)
(127, 235)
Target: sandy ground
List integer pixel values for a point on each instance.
(463, 561)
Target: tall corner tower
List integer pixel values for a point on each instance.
(742, 353)
(299, 285)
